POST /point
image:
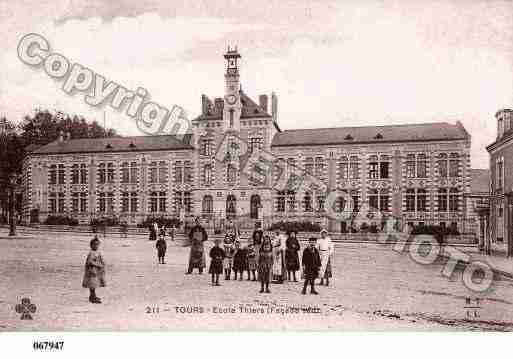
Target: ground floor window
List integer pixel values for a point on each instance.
(158, 201)
(79, 202)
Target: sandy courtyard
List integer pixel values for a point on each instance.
(374, 288)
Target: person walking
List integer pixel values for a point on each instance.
(161, 246)
(311, 263)
(326, 250)
(265, 264)
(291, 255)
(197, 237)
(94, 272)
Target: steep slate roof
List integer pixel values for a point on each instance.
(117, 144)
(371, 134)
(250, 109)
(480, 180)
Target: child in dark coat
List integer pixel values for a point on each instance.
(251, 261)
(161, 246)
(239, 260)
(216, 263)
(311, 265)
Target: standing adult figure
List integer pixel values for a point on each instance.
(279, 257)
(197, 236)
(326, 250)
(291, 254)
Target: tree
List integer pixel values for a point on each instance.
(45, 127)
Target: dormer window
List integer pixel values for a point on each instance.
(108, 146)
(348, 138)
(131, 145)
(379, 136)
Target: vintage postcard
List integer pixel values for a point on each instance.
(251, 166)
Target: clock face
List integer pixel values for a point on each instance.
(231, 99)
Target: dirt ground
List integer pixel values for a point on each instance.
(374, 288)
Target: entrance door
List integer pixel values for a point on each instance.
(254, 206)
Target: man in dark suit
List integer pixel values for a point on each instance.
(311, 264)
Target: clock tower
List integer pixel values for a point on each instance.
(232, 103)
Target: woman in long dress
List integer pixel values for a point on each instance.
(279, 260)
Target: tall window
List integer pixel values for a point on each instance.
(187, 172)
(56, 202)
(207, 175)
(373, 199)
(230, 173)
(75, 174)
(208, 205)
(410, 166)
(454, 164)
(207, 147)
(308, 202)
(499, 173)
(416, 200)
(178, 172)
(321, 199)
(373, 168)
(83, 173)
(79, 202)
(231, 206)
(454, 199)
(129, 202)
(153, 172)
(353, 167)
(343, 168)
(158, 201)
(183, 200)
(355, 197)
(102, 173)
(106, 202)
(379, 167)
(421, 165)
(410, 200)
(255, 143)
(129, 172)
(53, 175)
(379, 199)
(421, 200)
(61, 174)
(309, 166)
(280, 199)
(442, 199)
(106, 173)
(319, 167)
(291, 200)
(442, 165)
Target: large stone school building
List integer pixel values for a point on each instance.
(419, 173)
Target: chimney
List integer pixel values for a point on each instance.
(219, 104)
(204, 104)
(274, 107)
(263, 102)
(61, 136)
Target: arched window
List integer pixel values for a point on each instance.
(308, 202)
(208, 205)
(231, 206)
(254, 206)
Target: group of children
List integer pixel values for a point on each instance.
(260, 255)
(270, 258)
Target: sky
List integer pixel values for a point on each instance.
(331, 63)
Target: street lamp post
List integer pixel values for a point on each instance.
(12, 223)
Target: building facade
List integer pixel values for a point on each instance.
(419, 173)
(501, 176)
